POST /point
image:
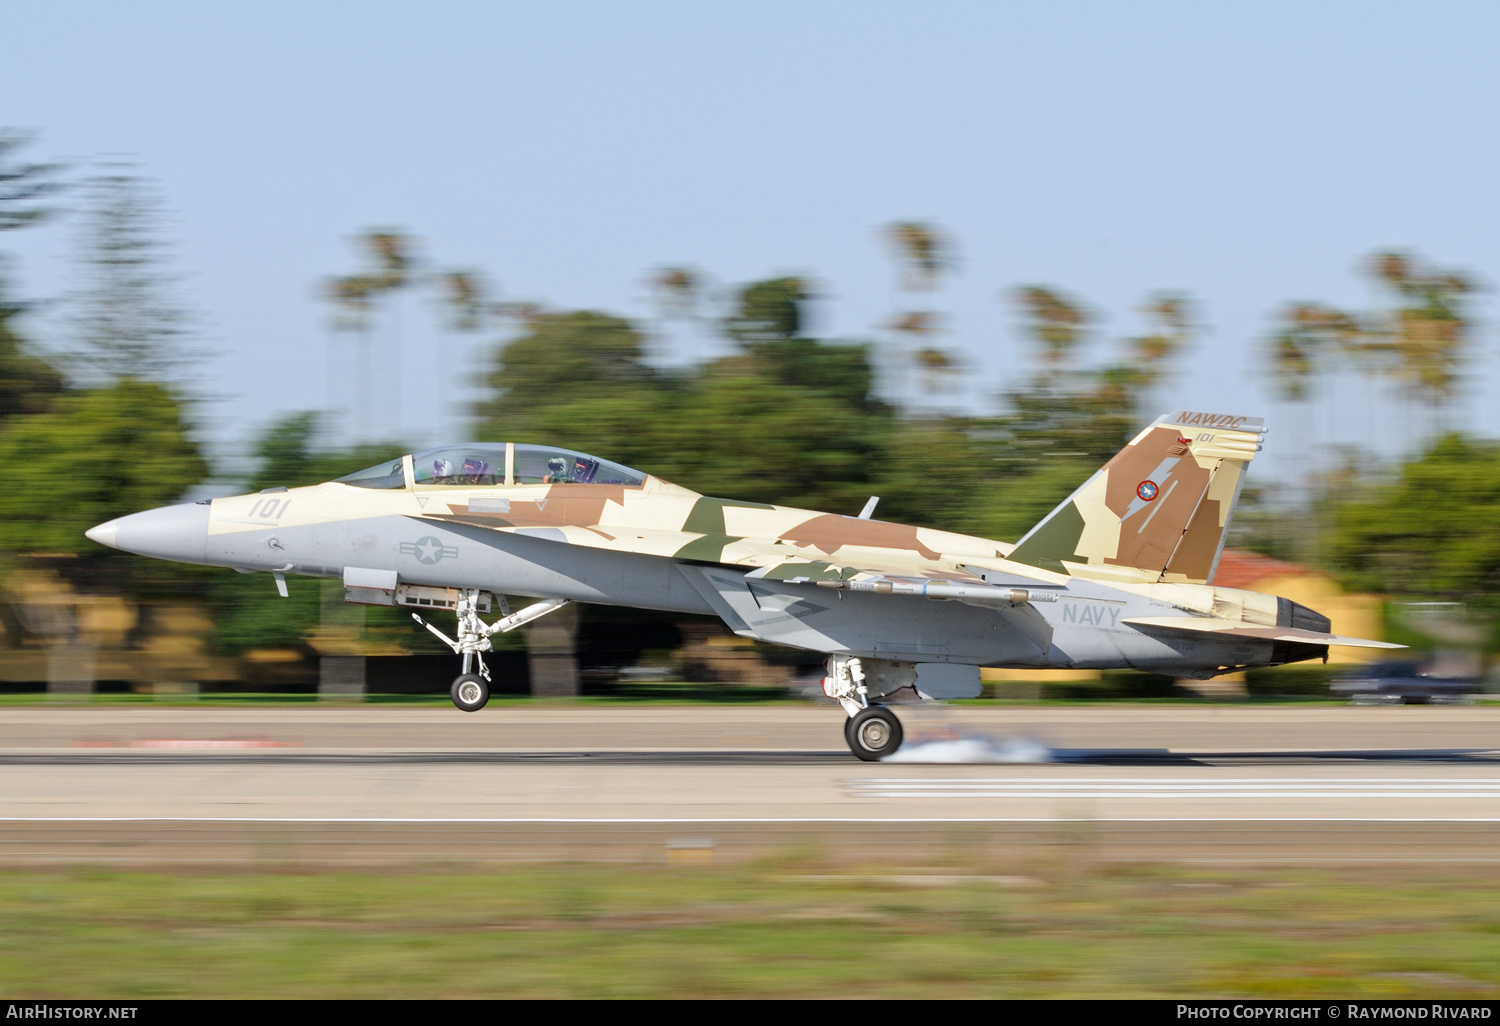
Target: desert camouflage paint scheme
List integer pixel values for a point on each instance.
(1119, 575)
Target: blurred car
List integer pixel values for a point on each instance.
(1403, 681)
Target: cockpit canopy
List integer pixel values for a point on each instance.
(460, 465)
(385, 475)
(485, 464)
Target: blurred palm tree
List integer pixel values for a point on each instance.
(677, 290)
(390, 265)
(924, 256)
(1310, 340)
(464, 297)
(679, 293)
(1057, 326)
(1309, 336)
(24, 187)
(1426, 334)
(468, 307)
(1152, 354)
(129, 322)
(924, 252)
(1418, 345)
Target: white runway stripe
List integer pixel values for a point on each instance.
(1105, 787)
(708, 821)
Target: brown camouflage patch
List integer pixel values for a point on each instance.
(1148, 538)
(563, 505)
(1194, 558)
(1136, 463)
(829, 532)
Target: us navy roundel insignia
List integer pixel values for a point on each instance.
(1146, 490)
(428, 550)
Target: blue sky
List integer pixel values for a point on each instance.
(1247, 155)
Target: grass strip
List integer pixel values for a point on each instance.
(791, 926)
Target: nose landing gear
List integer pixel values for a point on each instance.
(871, 731)
(470, 691)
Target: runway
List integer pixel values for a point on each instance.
(381, 785)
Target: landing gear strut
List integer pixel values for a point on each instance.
(871, 731)
(470, 691)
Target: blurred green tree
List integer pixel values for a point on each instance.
(749, 436)
(287, 455)
(1433, 531)
(786, 419)
(95, 455)
(564, 358)
(769, 311)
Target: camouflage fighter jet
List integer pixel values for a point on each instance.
(1119, 575)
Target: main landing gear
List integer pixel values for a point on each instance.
(470, 691)
(872, 731)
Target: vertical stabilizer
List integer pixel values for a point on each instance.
(1159, 510)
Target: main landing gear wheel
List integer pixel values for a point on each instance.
(470, 692)
(873, 733)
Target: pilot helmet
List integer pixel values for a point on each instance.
(556, 465)
(442, 468)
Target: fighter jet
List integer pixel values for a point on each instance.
(1119, 575)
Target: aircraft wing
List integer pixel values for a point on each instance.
(1216, 625)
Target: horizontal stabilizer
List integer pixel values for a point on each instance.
(1215, 625)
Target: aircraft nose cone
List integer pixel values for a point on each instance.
(178, 533)
(104, 533)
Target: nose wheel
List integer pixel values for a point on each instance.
(470, 692)
(873, 733)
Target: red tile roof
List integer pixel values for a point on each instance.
(1241, 569)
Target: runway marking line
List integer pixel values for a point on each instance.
(833, 820)
(170, 742)
(1106, 788)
